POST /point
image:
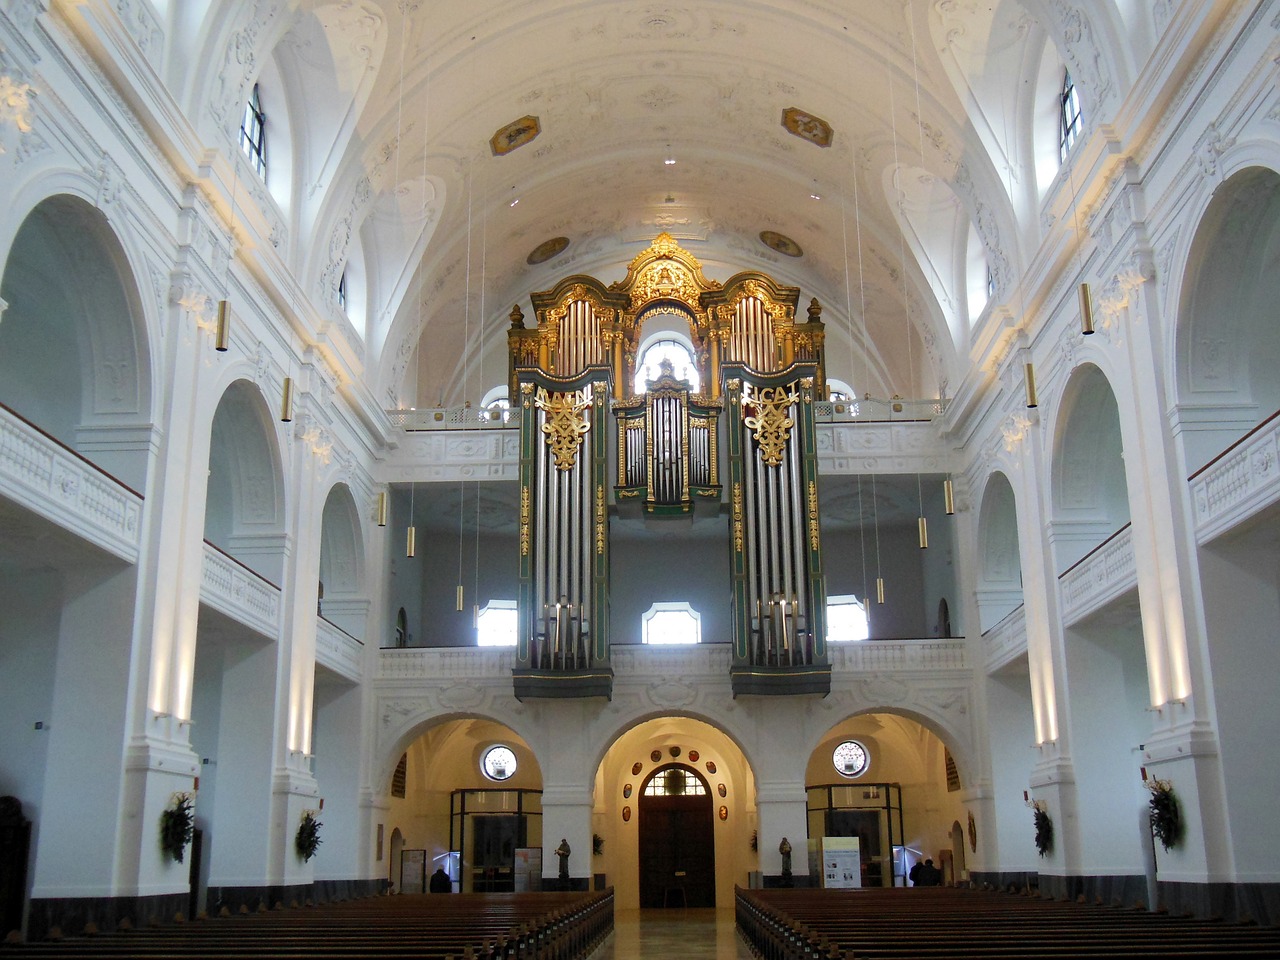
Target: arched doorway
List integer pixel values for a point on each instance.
(959, 870)
(891, 781)
(471, 802)
(677, 839)
(629, 766)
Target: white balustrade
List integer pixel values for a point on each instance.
(238, 592)
(1239, 484)
(1007, 640)
(639, 663)
(1101, 576)
(464, 450)
(339, 651)
(58, 484)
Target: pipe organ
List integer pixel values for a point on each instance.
(562, 611)
(779, 598)
(668, 448)
(762, 371)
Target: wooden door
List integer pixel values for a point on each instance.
(677, 847)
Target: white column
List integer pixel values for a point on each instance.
(783, 813)
(566, 815)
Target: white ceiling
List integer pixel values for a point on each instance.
(618, 88)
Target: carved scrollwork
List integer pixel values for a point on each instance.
(565, 425)
(770, 424)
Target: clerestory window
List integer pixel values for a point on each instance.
(1069, 119)
(253, 133)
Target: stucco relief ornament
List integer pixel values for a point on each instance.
(672, 693)
(1015, 431)
(15, 105)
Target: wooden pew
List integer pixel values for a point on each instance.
(959, 923)
(545, 926)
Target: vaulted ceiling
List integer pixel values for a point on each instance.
(883, 142)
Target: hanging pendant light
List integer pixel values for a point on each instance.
(286, 401)
(879, 589)
(411, 537)
(382, 508)
(948, 497)
(1086, 310)
(222, 330)
(923, 526)
(1029, 371)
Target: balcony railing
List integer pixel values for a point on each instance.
(59, 484)
(1007, 640)
(867, 410)
(697, 660)
(1241, 481)
(339, 651)
(1106, 572)
(230, 587)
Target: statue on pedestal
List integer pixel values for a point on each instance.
(563, 852)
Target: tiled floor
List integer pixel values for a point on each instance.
(688, 934)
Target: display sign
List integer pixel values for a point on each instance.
(528, 869)
(413, 871)
(841, 862)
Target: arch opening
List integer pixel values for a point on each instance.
(646, 840)
(74, 358)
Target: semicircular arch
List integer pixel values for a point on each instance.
(1227, 344)
(74, 345)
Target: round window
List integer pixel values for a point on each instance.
(850, 759)
(499, 763)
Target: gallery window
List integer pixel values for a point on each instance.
(846, 619)
(671, 623)
(496, 624)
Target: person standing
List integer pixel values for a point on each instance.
(440, 882)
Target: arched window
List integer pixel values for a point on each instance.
(496, 405)
(683, 363)
(1069, 120)
(253, 133)
(675, 781)
(672, 623)
(839, 391)
(846, 619)
(402, 628)
(342, 290)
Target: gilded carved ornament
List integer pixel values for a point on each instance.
(665, 280)
(601, 513)
(737, 517)
(770, 424)
(665, 252)
(813, 516)
(524, 520)
(565, 424)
